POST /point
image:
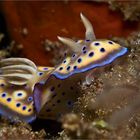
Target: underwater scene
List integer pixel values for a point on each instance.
(70, 70)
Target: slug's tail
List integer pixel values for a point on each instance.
(21, 71)
(18, 71)
(16, 101)
(17, 79)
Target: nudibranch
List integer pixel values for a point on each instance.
(18, 77)
(28, 91)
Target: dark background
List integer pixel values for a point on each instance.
(46, 20)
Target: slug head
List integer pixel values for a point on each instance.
(88, 54)
(95, 54)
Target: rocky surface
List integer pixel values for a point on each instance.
(129, 9)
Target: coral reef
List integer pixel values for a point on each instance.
(54, 48)
(58, 49)
(20, 130)
(11, 49)
(130, 9)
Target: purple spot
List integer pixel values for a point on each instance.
(18, 104)
(24, 108)
(68, 68)
(19, 94)
(102, 50)
(40, 73)
(2, 85)
(3, 95)
(91, 54)
(97, 44)
(30, 99)
(84, 48)
(60, 68)
(110, 42)
(64, 61)
(79, 60)
(29, 110)
(52, 88)
(73, 55)
(75, 67)
(84, 52)
(87, 40)
(9, 99)
(45, 68)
